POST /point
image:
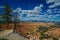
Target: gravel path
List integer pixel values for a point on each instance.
(5, 33)
(11, 36)
(15, 36)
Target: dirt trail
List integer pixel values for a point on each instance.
(11, 36)
(5, 32)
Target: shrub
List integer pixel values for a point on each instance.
(3, 39)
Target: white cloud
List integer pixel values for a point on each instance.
(2, 7)
(41, 5)
(38, 9)
(31, 14)
(52, 1)
(34, 10)
(51, 16)
(55, 10)
(17, 10)
(49, 11)
(56, 15)
(34, 13)
(56, 3)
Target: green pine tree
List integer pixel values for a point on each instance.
(7, 14)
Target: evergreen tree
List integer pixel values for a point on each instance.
(7, 14)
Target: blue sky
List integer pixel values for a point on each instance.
(30, 10)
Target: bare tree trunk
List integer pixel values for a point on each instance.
(7, 23)
(15, 21)
(14, 30)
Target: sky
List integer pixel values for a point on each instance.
(34, 10)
